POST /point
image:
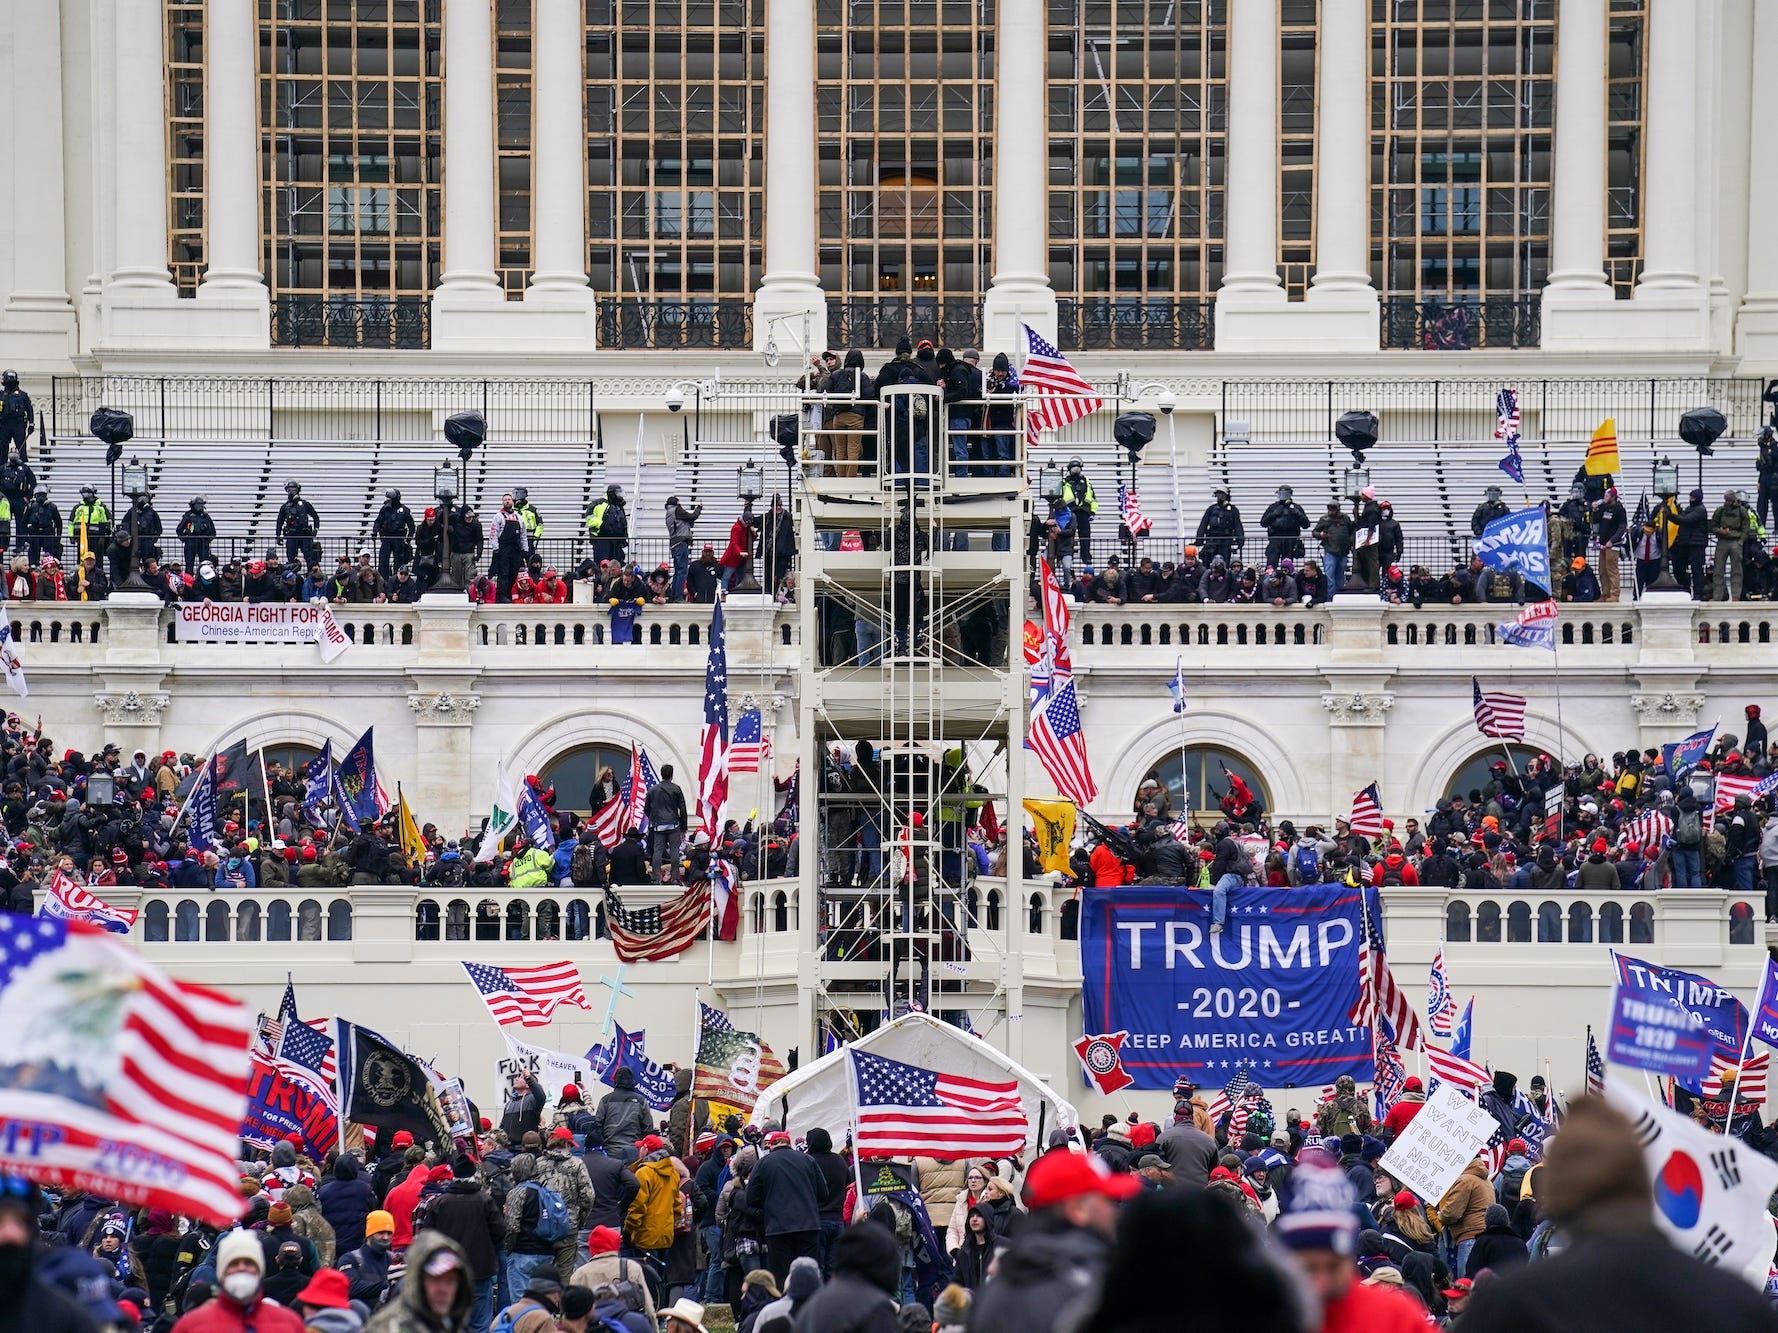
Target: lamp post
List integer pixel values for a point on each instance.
(444, 490)
(101, 788)
(750, 485)
(1358, 432)
(135, 485)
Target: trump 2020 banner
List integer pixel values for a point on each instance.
(1276, 987)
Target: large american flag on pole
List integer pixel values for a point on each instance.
(904, 1111)
(527, 995)
(1061, 744)
(713, 741)
(1379, 997)
(132, 1085)
(302, 1049)
(1465, 1075)
(1062, 395)
(1497, 714)
(651, 934)
(1367, 814)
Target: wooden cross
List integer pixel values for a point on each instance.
(617, 988)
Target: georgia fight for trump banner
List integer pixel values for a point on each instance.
(1276, 987)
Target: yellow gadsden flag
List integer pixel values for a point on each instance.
(413, 846)
(1054, 824)
(1602, 459)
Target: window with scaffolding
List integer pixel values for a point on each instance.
(1626, 75)
(905, 148)
(351, 115)
(1137, 112)
(675, 150)
(1462, 113)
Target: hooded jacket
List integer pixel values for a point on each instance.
(861, 1298)
(623, 1113)
(1044, 1271)
(648, 1225)
(685, 1120)
(401, 1202)
(307, 1221)
(466, 1213)
(408, 1312)
(1464, 1209)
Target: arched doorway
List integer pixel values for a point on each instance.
(572, 774)
(1203, 771)
(1474, 774)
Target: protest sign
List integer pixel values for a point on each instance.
(1442, 1139)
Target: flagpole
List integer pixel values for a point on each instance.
(1728, 1118)
(265, 783)
(857, 1158)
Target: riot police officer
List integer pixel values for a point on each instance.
(394, 529)
(16, 412)
(298, 526)
(17, 482)
(1220, 532)
(43, 527)
(196, 530)
(1488, 510)
(1284, 522)
(89, 526)
(1077, 494)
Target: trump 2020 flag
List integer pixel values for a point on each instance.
(318, 782)
(626, 1051)
(1681, 757)
(1176, 686)
(358, 779)
(115, 1078)
(1519, 543)
(68, 901)
(536, 820)
(1765, 1009)
(1710, 1190)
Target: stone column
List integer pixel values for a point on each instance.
(1020, 290)
(1756, 326)
(1577, 227)
(140, 128)
(1342, 286)
(38, 319)
(469, 148)
(1250, 211)
(232, 275)
(790, 287)
(558, 154)
(1669, 204)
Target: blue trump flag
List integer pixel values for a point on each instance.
(1765, 1011)
(1464, 1032)
(358, 781)
(535, 820)
(1518, 543)
(1277, 987)
(626, 1052)
(1681, 757)
(1672, 1022)
(319, 780)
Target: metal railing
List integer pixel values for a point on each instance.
(879, 323)
(1147, 324)
(395, 323)
(629, 322)
(1457, 324)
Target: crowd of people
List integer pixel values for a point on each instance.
(1620, 824)
(583, 1216)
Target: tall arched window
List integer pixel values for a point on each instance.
(1476, 771)
(573, 774)
(1204, 771)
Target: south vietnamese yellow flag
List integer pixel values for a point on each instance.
(1602, 459)
(413, 846)
(1053, 822)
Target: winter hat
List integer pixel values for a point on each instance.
(761, 1279)
(1373, 1149)
(803, 1280)
(1594, 1177)
(1351, 1144)
(603, 1240)
(577, 1303)
(463, 1167)
(241, 1245)
(1320, 1215)
(1497, 1216)
(279, 1215)
(1251, 1164)
(377, 1220)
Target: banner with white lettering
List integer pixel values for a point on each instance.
(553, 1069)
(259, 622)
(1428, 1157)
(1276, 987)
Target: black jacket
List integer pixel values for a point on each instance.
(467, 1214)
(345, 1201)
(861, 1298)
(613, 1188)
(1042, 1274)
(624, 1116)
(665, 805)
(788, 1190)
(629, 862)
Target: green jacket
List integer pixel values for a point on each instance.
(1729, 522)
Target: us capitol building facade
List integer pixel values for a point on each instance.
(290, 237)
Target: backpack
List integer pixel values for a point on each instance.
(583, 866)
(553, 1223)
(1391, 876)
(1307, 861)
(1688, 828)
(510, 1316)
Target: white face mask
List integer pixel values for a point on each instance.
(241, 1285)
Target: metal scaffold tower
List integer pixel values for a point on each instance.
(912, 521)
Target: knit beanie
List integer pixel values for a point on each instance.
(239, 1245)
(951, 1310)
(1320, 1216)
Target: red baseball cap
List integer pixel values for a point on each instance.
(1059, 1176)
(561, 1134)
(402, 1139)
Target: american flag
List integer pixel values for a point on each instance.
(1131, 512)
(68, 901)
(1232, 1092)
(1061, 745)
(527, 995)
(1731, 785)
(1391, 1074)
(1367, 813)
(1506, 408)
(132, 1068)
(1749, 1088)
(1062, 395)
(1379, 998)
(1647, 830)
(305, 1052)
(634, 792)
(1595, 1068)
(904, 1110)
(1239, 1117)
(1466, 1076)
(1499, 715)
(746, 747)
(1441, 1005)
(713, 741)
(651, 934)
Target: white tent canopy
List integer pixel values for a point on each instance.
(820, 1093)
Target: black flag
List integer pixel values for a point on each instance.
(382, 1085)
